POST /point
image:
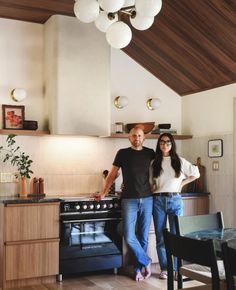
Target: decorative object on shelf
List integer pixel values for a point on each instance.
(164, 126)
(18, 94)
(120, 102)
(119, 127)
(19, 159)
(146, 126)
(215, 148)
(107, 15)
(13, 117)
(37, 188)
(30, 125)
(161, 131)
(153, 103)
(199, 184)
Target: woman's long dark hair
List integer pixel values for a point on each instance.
(175, 160)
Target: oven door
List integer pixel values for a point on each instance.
(93, 237)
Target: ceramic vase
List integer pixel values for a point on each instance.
(23, 186)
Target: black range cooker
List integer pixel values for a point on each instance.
(90, 235)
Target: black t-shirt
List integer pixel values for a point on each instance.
(135, 170)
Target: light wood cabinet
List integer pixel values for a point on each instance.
(196, 205)
(30, 247)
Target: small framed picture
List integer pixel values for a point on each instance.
(13, 117)
(215, 148)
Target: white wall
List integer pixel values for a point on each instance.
(21, 58)
(130, 79)
(209, 115)
(77, 77)
(209, 112)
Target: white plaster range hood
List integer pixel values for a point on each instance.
(77, 78)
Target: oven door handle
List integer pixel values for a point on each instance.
(90, 220)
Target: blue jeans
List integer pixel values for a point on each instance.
(137, 214)
(164, 207)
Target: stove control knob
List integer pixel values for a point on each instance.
(97, 206)
(91, 206)
(110, 205)
(104, 206)
(77, 207)
(85, 206)
(66, 207)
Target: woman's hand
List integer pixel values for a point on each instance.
(153, 187)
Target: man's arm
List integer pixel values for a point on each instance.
(108, 182)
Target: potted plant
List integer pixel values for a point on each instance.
(17, 158)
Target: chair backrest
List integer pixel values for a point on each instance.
(187, 224)
(229, 258)
(194, 251)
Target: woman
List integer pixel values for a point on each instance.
(169, 174)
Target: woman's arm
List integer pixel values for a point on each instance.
(188, 180)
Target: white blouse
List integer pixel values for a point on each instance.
(167, 182)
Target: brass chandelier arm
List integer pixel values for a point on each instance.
(129, 10)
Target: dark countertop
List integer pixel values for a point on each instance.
(194, 194)
(21, 200)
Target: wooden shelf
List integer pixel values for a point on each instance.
(24, 132)
(113, 135)
(151, 136)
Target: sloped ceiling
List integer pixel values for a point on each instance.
(191, 47)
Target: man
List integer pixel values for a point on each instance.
(136, 197)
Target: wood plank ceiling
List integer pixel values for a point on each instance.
(191, 47)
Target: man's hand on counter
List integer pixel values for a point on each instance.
(98, 196)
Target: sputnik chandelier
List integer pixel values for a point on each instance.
(107, 17)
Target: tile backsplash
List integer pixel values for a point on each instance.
(69, 165)
(219, 183)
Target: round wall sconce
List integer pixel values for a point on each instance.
(120, 102)
(153, 103)
(18, 95)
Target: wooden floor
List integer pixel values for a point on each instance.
(108, 281)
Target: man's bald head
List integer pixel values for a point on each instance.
(136, 138)
(136, 130)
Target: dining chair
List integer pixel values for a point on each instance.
(187, 224)
(200, 252)
(229, 258)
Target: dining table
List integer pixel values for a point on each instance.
(217, 235)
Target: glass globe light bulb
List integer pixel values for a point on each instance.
(148, 8)
(103, 22)
(141, 22)
(119, 34)
(111, 5)
(153, 103)
(86, 10)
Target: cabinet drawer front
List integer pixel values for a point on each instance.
(29, 222)
(32, 260)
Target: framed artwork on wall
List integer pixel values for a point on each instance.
(215, 148)
(13, 117)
